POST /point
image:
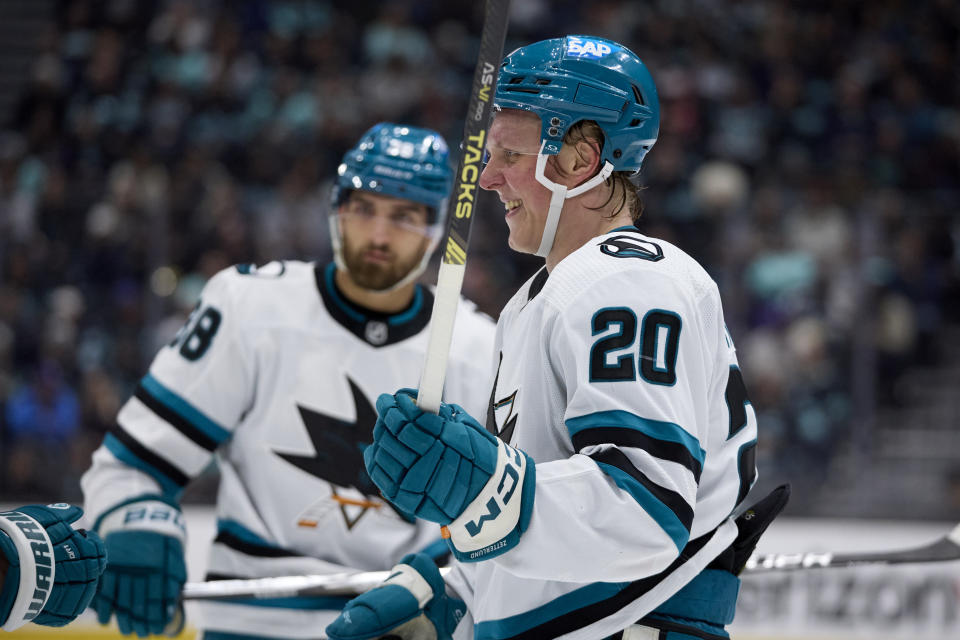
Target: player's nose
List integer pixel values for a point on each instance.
(382, 231)
(490, 177)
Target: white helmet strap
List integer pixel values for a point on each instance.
(559, 193)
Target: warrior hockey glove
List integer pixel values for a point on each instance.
(145, 569)
(52, 568)
(448, 469)
(411, 603)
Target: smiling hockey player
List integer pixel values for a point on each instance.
(597, 500)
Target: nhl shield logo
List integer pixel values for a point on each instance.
(376, 332)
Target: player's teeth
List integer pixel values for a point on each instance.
(511, 204)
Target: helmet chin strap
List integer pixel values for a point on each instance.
(337, 241)
(559, 193)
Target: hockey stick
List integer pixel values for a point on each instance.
(944, 549)
(449, 283)
(462, 205)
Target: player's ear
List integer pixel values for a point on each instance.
(579, 160)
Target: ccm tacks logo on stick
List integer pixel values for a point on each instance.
(453, 265)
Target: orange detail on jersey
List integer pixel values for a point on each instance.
(444, 533)
(368, 504)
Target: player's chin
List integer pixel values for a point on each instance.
(375, 277)
(522, 247)
(520, 239)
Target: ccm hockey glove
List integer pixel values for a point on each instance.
(448, 469)
(52, 568)
(412, 603)
(145, 568)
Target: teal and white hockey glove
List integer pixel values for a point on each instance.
(52, 568)
(145, 569)
(448, 469)
(411, 604)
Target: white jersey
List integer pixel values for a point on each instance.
(618, 378)
(275, 376)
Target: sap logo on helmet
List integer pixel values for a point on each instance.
(390, 172)
(583, 48)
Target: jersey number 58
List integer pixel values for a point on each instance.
(197, 333)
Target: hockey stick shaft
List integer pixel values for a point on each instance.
(943, 550)
(462, 204)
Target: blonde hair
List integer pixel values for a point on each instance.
(619, 181)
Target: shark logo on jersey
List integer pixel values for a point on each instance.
(498, 407)
(338, 454)
(631, 247)
(509, 423)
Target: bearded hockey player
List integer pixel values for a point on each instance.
(596, 502)
(273, 376)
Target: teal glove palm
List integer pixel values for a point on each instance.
(412, 603)
(58, 565)
(146, 569)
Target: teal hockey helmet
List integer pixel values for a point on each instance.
(566, 80)
(400, 161)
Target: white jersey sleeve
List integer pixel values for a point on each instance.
(187, 405)
(616, 379)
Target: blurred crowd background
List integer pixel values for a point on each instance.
(809, 157)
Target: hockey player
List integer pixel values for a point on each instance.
(48, 569)
(274, 375)
(619, 438)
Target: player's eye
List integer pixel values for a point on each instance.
(507, 155)
(358, 208)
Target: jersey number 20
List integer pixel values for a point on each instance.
(659, 342)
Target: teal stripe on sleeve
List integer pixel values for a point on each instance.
(517, 624)
(664, 515)
(184, 409)
(240, 532)
(659, 429)
(123, 454)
